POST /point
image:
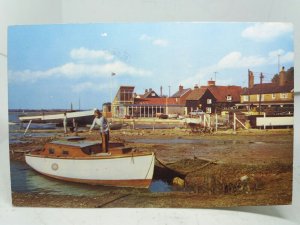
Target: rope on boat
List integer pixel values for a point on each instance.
(161, 163)
(153, 156)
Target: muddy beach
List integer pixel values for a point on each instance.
(219, 170)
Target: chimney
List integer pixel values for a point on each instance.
(196, 86)
(250, 79)
(161, 89)
(150, 89)
(282, 77)
(146, 91)
(211, 83)
(180, 88)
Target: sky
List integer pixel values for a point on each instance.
(54, 66)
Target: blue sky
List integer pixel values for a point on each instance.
(52, 66)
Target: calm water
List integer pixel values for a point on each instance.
(24, 179)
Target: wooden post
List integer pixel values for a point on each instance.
(27, 128)
(153, 128)
(234, 123)
(103, 143)
(264, 120)
(216, 122)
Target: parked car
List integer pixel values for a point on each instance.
(197, 112)
(162, 116)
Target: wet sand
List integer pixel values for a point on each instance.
(220, 170)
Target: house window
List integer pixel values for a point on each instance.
(283, 95)
(152, 94)
(262, 97)
(208, 101)
(51, 151)
(65, 152)
(208, 109)
(229, 98)
(246, 98)
(273, 95)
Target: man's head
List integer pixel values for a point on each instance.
(97, 113)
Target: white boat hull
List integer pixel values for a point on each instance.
(126, 171)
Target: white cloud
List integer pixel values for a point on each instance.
(154, 41)
(235, 60)
(284, 57)
(82, 68)
(266, 31)
(86, 54)
(104, 34)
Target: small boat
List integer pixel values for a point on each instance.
(115, 126)
(83, 161)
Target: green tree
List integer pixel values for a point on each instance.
(289, 74)
(275, 79)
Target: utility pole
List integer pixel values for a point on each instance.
(278, 64)
(260, 90)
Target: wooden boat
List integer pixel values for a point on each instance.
(84, 162)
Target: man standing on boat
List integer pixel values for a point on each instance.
(102, 122)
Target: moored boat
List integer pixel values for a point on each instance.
(84, 162)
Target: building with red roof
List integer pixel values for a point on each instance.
(213, 98)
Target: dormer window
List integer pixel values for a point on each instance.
(229, 98)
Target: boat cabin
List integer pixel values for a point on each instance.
(80, 148)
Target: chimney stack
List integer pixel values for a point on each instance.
(211, 83)
(250, 79)
(196, 86)
(146, 91)
(282, 77)
(180, 88)
(161, 89)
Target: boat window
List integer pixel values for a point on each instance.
(64, 152)
(51, 151)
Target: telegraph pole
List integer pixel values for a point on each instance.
(260, 90)
(278, 64)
